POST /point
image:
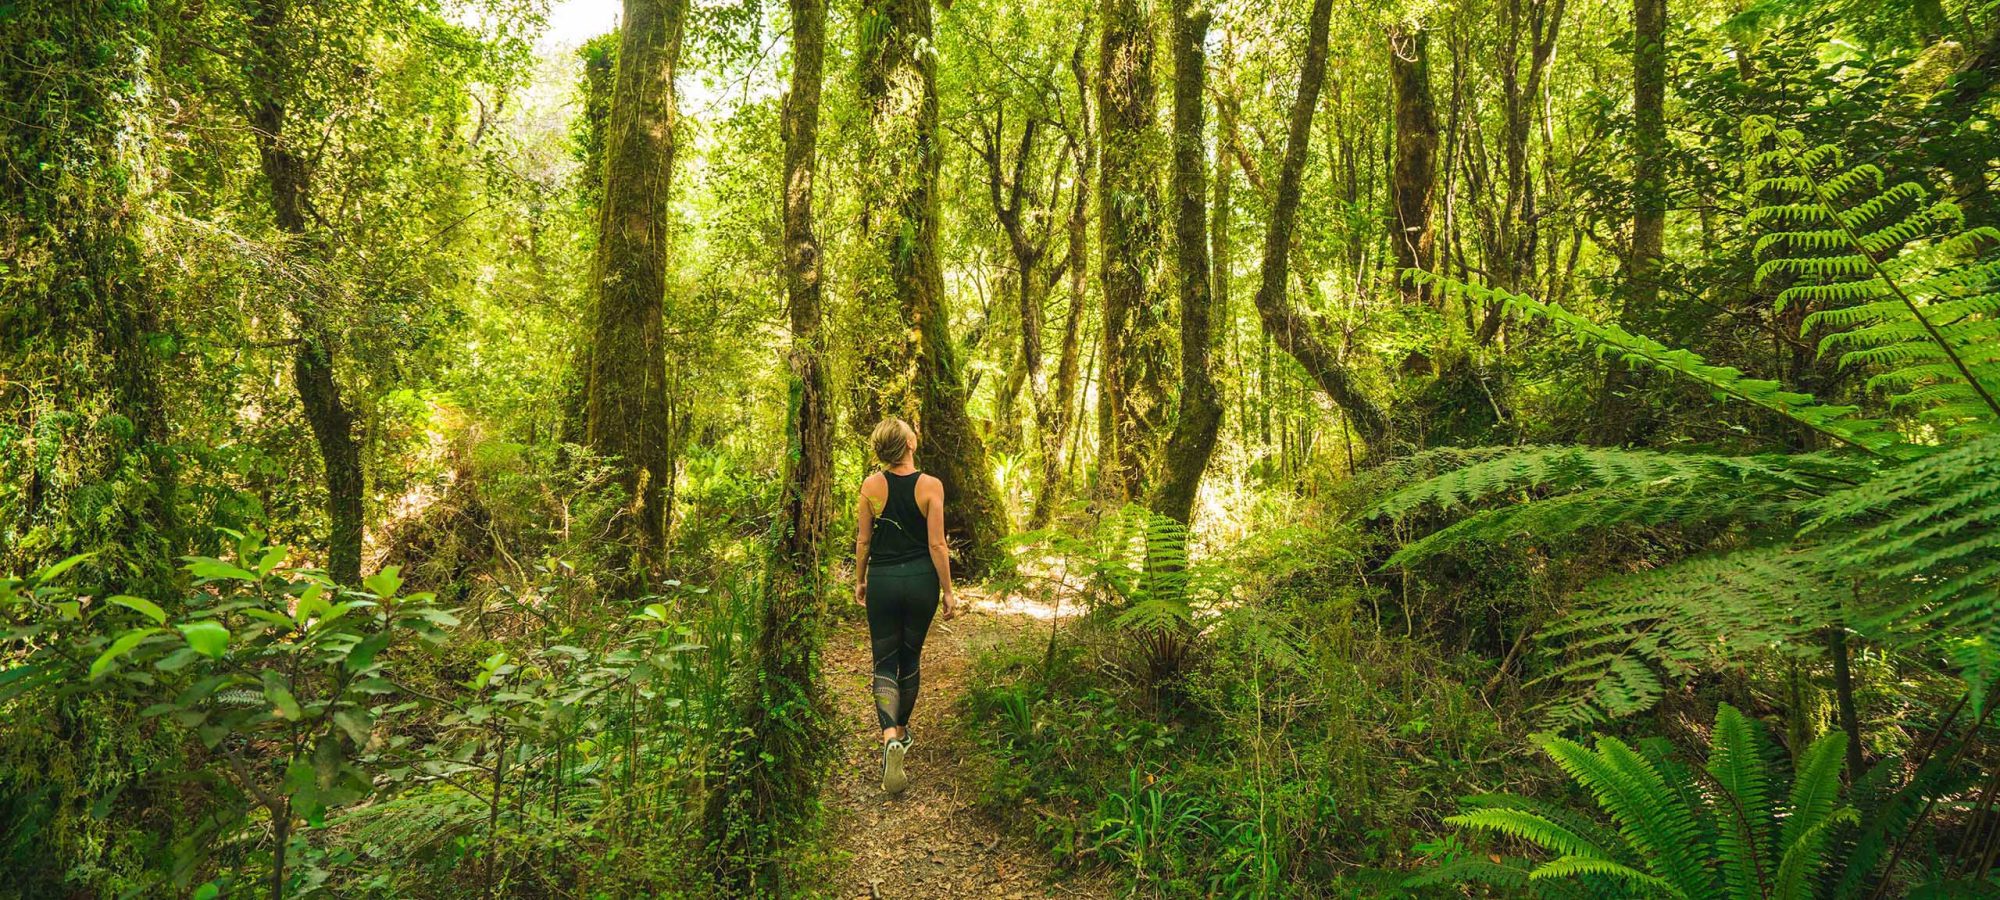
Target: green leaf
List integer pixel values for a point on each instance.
(302, 785)
(211, 569)
(51, 572)
(273, 558)
(385, 583)
(209, 891)
(438, 617)
(363, 654)
(118, 648)
(206, 636)
(355, 724)
(280, 695)
(176, 661)
(312, 604)
(142, 606)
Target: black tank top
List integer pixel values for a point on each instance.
(901, 533)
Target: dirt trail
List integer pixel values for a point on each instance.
(929, 842)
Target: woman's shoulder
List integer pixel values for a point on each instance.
(874, 480)
(928, 482)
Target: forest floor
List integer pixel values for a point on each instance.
(931, 841)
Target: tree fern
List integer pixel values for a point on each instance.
(1838, 423)
(1887, 269)
(1902, 515)
(1568, 489)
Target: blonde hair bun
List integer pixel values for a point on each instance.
(892, 440)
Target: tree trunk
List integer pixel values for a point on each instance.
(626, 400)
(1291, 330)
(1511, 253)
(1015, 206)
(1193, 440)
(289, 180)
(1843, 694)
(1134, 335)
(77, 316)
(770, 781)
(1649, 209)
(600, 62)
(899, 90)
(1412, 238)
(1055, 433)
(1221, 251)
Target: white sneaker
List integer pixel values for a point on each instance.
(894, 780)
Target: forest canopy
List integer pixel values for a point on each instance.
(1428, 448)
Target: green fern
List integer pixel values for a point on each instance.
(1568, 489)
(1903, 516)
(1903, 291)
(1838, 423)
(1730, 841)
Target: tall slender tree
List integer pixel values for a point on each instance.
(1513, 231)
(770, 781)
(1641, 291)
(274, 72)
(899, 91)
(1412, 238)
(626, 404)
(1055, 434)
(1192, 442)
(1293, 331)
(1134, 345)
(1027, 217)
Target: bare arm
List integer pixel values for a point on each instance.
(864, 531)
(941, 550)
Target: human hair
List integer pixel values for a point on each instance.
(892, 440)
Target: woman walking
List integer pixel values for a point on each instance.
(902, 573)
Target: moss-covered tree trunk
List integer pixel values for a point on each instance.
(1412, 238)
(626, 404)
(901, 158)
(80, 401)
(766, 794)
(600, 66)
(1200, 410)
(1135, 344)
(273, 71)
(1293, 331)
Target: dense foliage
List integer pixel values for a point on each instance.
(1413, 448)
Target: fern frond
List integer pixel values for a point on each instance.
(1532, 828)
(1838, 423)
(1471, 870)
(1815, 788)
(1888, 268)
(1573, 866)
(1587, 827)
(1630, 789)
(1739, 761)
(1677, 619)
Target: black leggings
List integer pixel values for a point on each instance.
(902, 599)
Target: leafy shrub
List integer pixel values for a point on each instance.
(278, 674)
